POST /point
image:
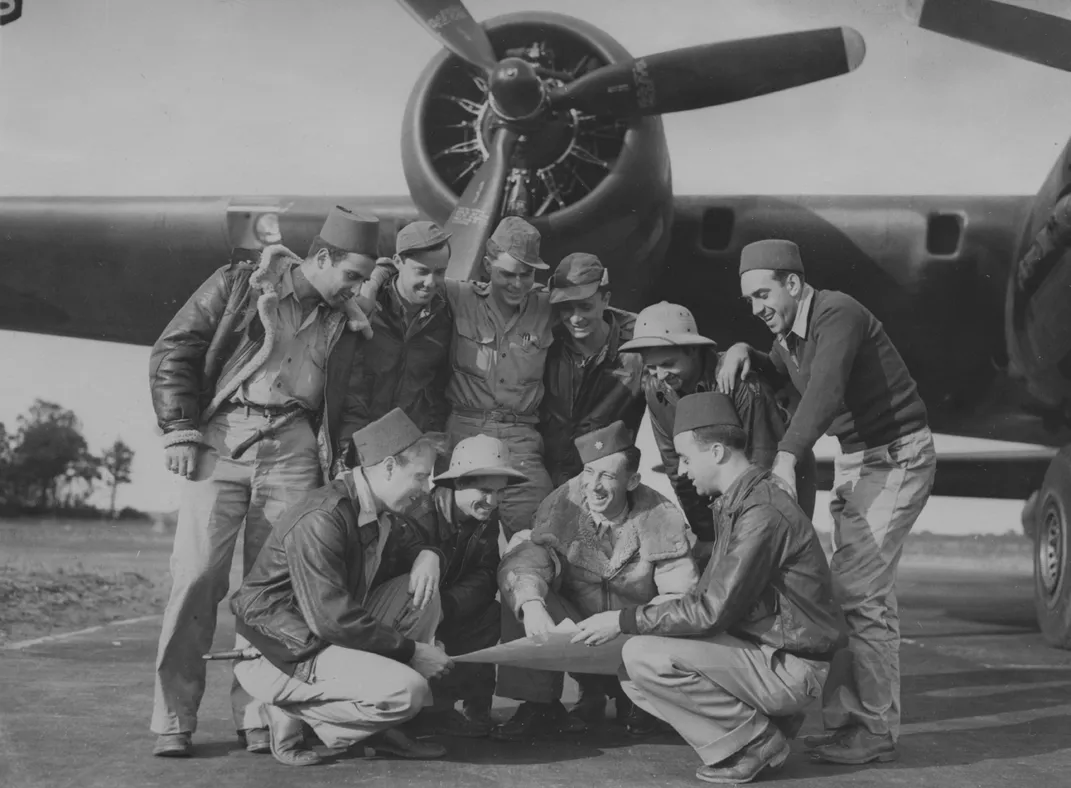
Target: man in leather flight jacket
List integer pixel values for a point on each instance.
(243, 377)
(590, 384)
(342, 605)
(733, 664)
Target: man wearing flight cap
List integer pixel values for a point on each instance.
(853, 385)
(679, 361)
(464, 525)
(733, 664)
(589, 383)
(602, 541)
(342, 605)
(244, 376)
(406, 362)
(502, 330)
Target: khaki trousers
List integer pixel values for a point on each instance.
(717, 692)
(224, 494)
(353, 694)
(878, 495)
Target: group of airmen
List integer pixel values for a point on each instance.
(422, 468)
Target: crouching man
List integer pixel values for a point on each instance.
(344, 646)
(464, 524)
(601, 541)
(733, 664)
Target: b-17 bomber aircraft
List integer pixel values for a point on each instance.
(545, 116)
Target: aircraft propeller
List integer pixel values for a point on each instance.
(1021, 32)
(522, 95)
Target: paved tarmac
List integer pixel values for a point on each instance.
(986, 703)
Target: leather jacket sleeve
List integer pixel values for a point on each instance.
(475, 590)
(696, 509)
(730, 590)
(761, 418)
(316, 556)
(176, 364)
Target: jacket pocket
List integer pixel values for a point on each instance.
(530, 356)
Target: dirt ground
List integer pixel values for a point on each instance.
(60, 576)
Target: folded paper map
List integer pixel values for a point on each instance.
(553, 651)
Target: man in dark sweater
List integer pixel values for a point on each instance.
(853, 385)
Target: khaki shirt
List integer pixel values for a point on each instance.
(293, 373)
(368, 514)
(497, 365)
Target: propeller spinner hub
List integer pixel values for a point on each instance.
(517, 92)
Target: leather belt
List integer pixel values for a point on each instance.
(498, 416)
(278, 417)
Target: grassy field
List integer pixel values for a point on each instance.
(58, 576)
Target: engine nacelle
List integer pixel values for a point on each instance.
(1038, 307)
(587, 183)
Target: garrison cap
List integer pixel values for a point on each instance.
(356, 233)
(603, 442)
(665, 325)
(771, 255)
(480, 455)
(578, 276)
(385, 437)
(420, 237)
(519, 240)
(705, 409)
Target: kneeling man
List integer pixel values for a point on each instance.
(463, 523)
(344, 646)
(601, 541)
(733, 664)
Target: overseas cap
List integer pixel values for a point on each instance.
(385, 437)
(665, 325)
(771, 255)
(480, 455)
(354, 232)
(578, 276)
(603, 442)
(519, 240)
(705, 409)
(419, 237)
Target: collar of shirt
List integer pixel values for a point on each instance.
(803, 316)
(287, 289)
(603, 523)
(365, 500)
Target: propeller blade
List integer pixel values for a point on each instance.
(1027, 34)
(451, 23)
(712, 74)
(477, 213)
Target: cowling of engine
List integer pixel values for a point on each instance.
(588, 183)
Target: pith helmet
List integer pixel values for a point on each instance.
(665, 325)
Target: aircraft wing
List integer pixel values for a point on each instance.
(117, 268)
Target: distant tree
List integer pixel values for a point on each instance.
(49, 444)
(118, 460)
(5, 465)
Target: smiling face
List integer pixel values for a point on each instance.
(772, 300)
(582, 318)
(421, 274)
(678, 367)
(511, 280)
(336, 281)
(478, 496)
(606, 483)
(702, 464)
(408, 478)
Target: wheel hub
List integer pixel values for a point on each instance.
(1050, 546)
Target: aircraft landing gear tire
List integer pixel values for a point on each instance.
(1052, 552)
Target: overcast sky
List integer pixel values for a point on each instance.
(203, 97)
